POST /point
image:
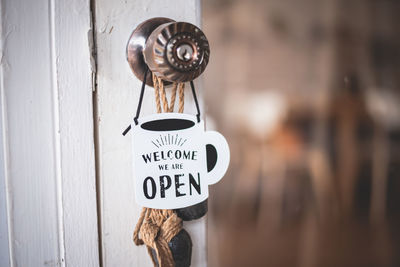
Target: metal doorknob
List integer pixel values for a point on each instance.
(174, 51)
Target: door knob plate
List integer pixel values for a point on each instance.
(137, 43)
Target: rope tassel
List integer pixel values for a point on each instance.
(156, 227)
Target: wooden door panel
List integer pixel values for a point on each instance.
(117, 95)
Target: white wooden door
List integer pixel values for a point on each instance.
(66, 185)
(47, 178)
(117, 95)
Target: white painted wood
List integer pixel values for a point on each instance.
(72, 20)
(4, 237)
(33, 176)
(4, 240)
(48, 175)
(117, 96)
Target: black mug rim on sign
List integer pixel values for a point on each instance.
(167, 125)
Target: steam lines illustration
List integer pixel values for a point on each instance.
(169, 140)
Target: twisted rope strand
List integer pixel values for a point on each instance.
(173, 97)
(181, 97)
(157, 92)
(163, 94)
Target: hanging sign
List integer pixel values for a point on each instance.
(174, 160)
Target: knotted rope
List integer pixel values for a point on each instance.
(157, 227)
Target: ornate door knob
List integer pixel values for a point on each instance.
(174, 51)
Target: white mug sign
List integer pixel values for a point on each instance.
(174, 160)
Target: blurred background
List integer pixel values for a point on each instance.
(307, 94)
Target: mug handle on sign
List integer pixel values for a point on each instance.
(218, 156)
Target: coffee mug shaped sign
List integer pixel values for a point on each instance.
(174, 160)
